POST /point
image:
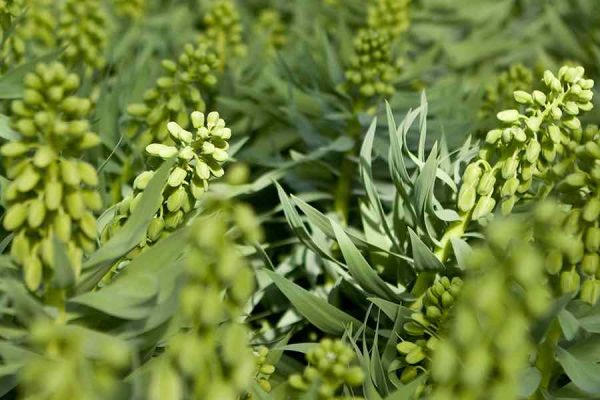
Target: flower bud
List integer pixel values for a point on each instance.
(554, 262)
(466, 198)
(533, 151)
(484, 206)
(590, 291)
(591, 211)
(590, 263)
(509, 167)
(15, 216)
(32, 271)
(569, 281)
(508, 116)
(69, 173)
(486, 183)
(37, 213)
(592, 239)
(539, 97)
(156, 228)
(493, 136)
(176, 199)
(177, 177)
(75, 205)
(54, 191)
(523, 97)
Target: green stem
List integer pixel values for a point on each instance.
(546, 362)
(343, 191)
(455, 230)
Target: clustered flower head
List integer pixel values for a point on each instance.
(372, 71)
(130, 8)
(175, 92)
(270, 25)
(530, 141)
(330, 367)
(200, 155)
(82, 29)
(434, 309)
(575, 238)
(390, 16)
(63, 368)
(500, 93)
(9, 9)
(223, 32)
(264, 369)
(52, 193)
(39, 24)
(485, 348)
(213, 359)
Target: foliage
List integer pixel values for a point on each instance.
(403, 203)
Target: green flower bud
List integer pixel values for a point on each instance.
(591, 211)
(156, 228)
(592, 239)
(37, 213)
(509, 116)
(493, 136)
(533, 151)
(590, 291)
(539, 97)
(15, 217)
(486, 183)
(484, 207)
(554, 262)
(75, 205)
(509, 167)
(177, 177)
(466, 198)
(569, 281)
(590, 263)
(32, 271)
(523, 97)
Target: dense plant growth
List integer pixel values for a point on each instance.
(316, 199)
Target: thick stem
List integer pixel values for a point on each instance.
(455, 230)
(546, 362)
(343, 191)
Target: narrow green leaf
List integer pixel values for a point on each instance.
(424, 259)
(584, 375)
(319, 312)
(359, 268)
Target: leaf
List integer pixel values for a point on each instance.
(530, 381)
(424, 259)
(406, 392)
(568, 323)
(359, 268)
(423, 189)
(319, 312)
(585, 375)
(64, 275)
(6, 131)
(126, 299)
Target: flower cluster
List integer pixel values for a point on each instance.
(435, 307)
(175, 92)
(82, 29)
(9, 9)
(330, 364)
(372, 71)
(130, 8)
(264, 369)
(53, 192)
(200, 155)
(223, 32)
(213, 359)
(528, 143)
(272, 28)
(499, 94)
(390, 16)
(63, 369)
(574, 258)
(485, 349)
